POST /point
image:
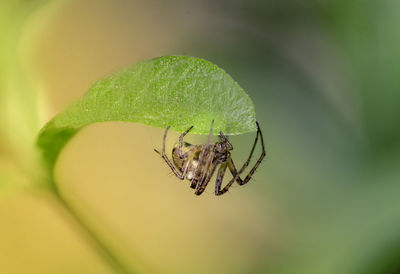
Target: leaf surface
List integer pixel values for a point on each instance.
(176, 91)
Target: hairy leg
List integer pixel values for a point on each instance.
(220, 178)
(231, 165)
(181, 142)
(164, 156)
(201, 165)
(225, 139)
(208, 171)
(236, 174)
(203, 184)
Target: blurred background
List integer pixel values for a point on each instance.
(324, 78)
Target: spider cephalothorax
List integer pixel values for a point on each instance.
(197, 163)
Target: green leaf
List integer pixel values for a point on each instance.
(174, 91)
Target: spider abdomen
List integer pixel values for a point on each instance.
(189, 163)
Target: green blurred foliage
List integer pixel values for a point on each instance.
(323, 76)
(19, 120)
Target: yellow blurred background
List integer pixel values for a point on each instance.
(323, 76)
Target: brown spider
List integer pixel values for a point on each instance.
(199, 162)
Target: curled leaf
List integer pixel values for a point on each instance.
(176, 91)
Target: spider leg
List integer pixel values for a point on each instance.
(200, 166)
(208, 171)
(164, 156)
(220, 178)
(193, 184)
(232, 168)
(207, 162)
(181, 143)
(228, 185)
(225, 139)
(203, 184)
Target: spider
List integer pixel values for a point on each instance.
(198, 163)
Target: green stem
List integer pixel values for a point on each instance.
(91, 236)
